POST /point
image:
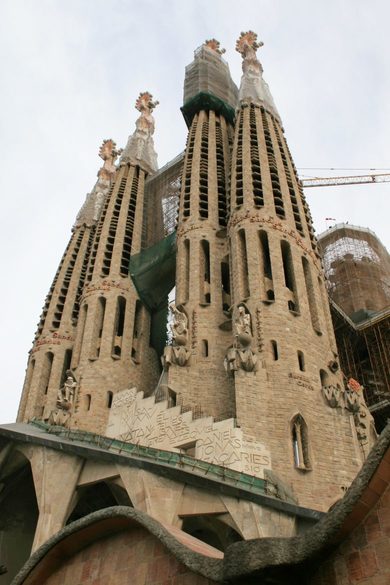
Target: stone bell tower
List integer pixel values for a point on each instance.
(112, 350)
(196, 374)
(51, 354)
(283, 354)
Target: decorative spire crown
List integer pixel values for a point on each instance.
(90, 211)
(215, 46)
(140, 147)
(253, 88)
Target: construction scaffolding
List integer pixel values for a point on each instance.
(364, 354)
(161, 206)
(357, 270)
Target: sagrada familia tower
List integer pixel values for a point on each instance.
(148, 453)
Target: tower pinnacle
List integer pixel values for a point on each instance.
(140, 147)
(90, 211)
(215, 46)
(253, 87)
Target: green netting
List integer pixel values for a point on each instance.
(206, 101)
(153, 274)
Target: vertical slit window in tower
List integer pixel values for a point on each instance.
(96, 240)
(324, 377)
(203, 171)
(130, 221)
(59, 309)
(205, 348)
(80, 338)
(289, 277)
(186, 289)
(46, 371)
(243, 263)
(188, 169)
(274, 348)
(273, 168)
(301, 360)
(66, 366)
(293, 195)
(311, 295)
(87, 402)
(300, 443)
(204, 272)
(225, 282)
(221, 176)
(109, 399)
(258, 198)
(83, 272)
(30, 373)
(135, 350)
(267, 266)
(239, 185)
(110, 242)
(119, 326)
(306, 210)
(98, 327)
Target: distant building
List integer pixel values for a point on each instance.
(357, 270)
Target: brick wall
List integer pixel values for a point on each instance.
(134, 557)
(364, 557)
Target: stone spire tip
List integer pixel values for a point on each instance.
(215, 46)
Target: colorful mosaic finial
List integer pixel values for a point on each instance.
(214, 45)
(248, 40)
(145, 102)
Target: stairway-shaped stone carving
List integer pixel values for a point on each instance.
(164, 425)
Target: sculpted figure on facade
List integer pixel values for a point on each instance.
(140, 146)
(177, 353)
(333, 396)
(241, 355)
(66, 397)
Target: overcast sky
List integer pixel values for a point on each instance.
(72, 70)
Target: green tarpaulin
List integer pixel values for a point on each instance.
(153, 274)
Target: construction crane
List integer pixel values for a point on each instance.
(349, 180)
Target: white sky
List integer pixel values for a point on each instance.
(70, 73)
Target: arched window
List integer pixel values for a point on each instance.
(300, 443)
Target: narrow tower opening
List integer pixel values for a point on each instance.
(204, 272)
(98, 327)
(300, 443)
(243, 264)
(311, 296)
(46, 371)
(225, 282)
(267, 267)
(119, 326)
(289, 277)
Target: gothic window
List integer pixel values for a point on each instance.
(289, 277)
(66, 366)
(186, 270)
(258, 198)
(273, 168)
(300, 443)
(266, 266)
(243, 263)
(135, 350)
(301, 360)
(80, 338)
(204, 272)
(311, 295)
(274, 349)
(203, 171)
(119, 326)
(46, 371)
(98, 327)
(87, 402)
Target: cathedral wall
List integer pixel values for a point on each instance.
(364, 555)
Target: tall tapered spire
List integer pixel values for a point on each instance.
(139, 149)
(253, 87)
(90, 211)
